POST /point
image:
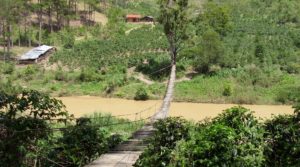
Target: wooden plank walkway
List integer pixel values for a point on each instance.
(116, 159)
(126, 154)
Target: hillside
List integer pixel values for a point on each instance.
(237, 52)
(128, 83)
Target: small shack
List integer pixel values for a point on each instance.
(36, 54)
(147, 19)
(133, 18)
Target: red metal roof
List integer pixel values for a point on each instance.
(133, 16)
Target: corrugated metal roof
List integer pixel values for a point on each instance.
(133, 16)
(36, 52)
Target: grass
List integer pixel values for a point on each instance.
(155, 90)
(118, 125)
(107, 122)
(210, 89)
(16, 51)
(201, 88)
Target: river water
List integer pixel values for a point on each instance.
(86, 105)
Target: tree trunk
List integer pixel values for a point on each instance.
(11, 37)
(4, 39)
(69, 12)
(40, 34)
(76, 7)
(50, 19)
(25, 30)
(40, 24)
(19, 40)
(8, 41)
(29, 39)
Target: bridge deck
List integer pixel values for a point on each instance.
(127, 152)
(116, 159)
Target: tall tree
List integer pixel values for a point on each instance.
(173, 16)
(9, 13)
(40, 16)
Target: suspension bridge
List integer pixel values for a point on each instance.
(129, 151)
(126, 154)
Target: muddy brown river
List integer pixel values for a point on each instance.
(86, 105)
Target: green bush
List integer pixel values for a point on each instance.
(60, 75)
(212, 145)
(282, 135)
(88, 75)
(141, 94)
(210, 51)
(234, 138)
(288, 94)
(227, 90)
(67, 39)
(79, 145)
(168, 133)
(30, 70)
(7, 68)
(155, 64)
(114, 81)
(23, 114)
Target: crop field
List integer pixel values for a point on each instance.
(120, 50)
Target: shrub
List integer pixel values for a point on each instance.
(30, 70)
(114, 81)
(67, 39)
(88, 75)
(155, 64)
(141, 94)
(227, 90)
(288, 94)
(167, 133)
(212, 145)
(283, 140)
(234, 138)
(79, 145)
(23, 116)
(209, 52)
(9, 87)
(60, 75)
(7, 68)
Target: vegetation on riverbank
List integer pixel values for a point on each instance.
(234, 138)
(227, 86)
(36, 130)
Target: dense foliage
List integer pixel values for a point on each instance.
(233, 138)
(79, 144)
(232, 34)
(141, 94)
(167, 133)
(23, 122)
(35, 130)
(283, 140)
